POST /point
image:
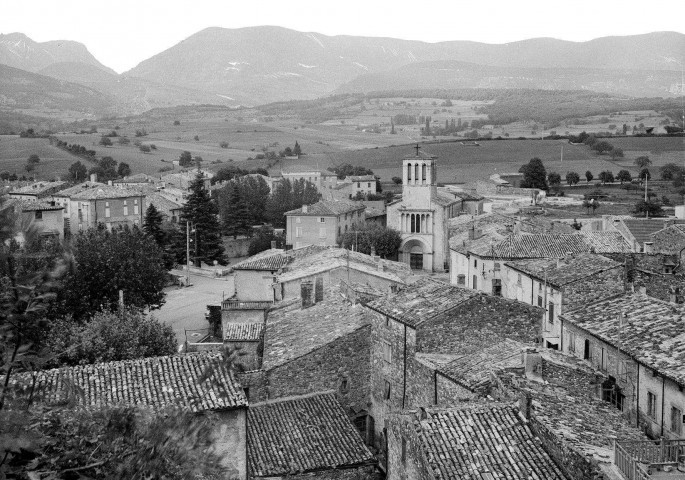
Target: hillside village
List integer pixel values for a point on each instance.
(499, 341)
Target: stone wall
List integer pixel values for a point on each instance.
(669, 240)
(576, 380)
(254, 385)
(402, 436)
(229, 441)
(342, 366)
(248, 354)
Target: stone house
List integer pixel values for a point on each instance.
(155, 383)
(479, 265)
(316, 343)
(432, 318)
(560, 285)
(669, 240)
(167, 205)
(183, 180)
(45, 216)
(305, 437)
(255, 276)
(111, 206)
(638, 232)
(63, 198)
(322, 223)
(322, 179)
(245, 340)
(422, 215)
(637, 341)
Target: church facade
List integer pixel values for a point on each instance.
(421, 215)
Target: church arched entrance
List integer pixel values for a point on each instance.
(417, 254)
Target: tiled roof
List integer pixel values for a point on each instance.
(292, 332)
(105, 191)
(606, 242)
(268, 260)
(361, 178)
(327, 259)
(421, 300)
(155, 382)
(475, 440)
(37, 188)
(68, 192)
(642, 230)
(246, 332)
(162, 202)
(560, 272)
(653, 331)
(327, 208)
(444, 198)
(468, 196)
(473, 370)
(302, 434)
(33, 206)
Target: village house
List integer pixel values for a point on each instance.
(558, 285)
(471, 202)
(322, 179)
(45, 216)
(322, 223)
(431, 317)
(305, 437)
(183, 180)
(169, 207)
(422, 215)
(37, 190)
(157, 384)
(63, 198)
(479, 265)
(108, 205)
(139, 181)
(638, 341)
(639, 232)
(669, 240)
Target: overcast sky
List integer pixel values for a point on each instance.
(122, 33)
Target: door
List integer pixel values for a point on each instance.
(416, 261)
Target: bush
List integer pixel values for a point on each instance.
(223, 144)
(124, 141)
(144, 148)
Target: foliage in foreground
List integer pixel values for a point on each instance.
(363, 238)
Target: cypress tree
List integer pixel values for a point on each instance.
(202, 212)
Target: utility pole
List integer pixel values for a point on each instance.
(646, 204)
(187, 254)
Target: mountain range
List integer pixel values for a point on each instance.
(256, 65)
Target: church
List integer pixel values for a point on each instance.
(421, 215)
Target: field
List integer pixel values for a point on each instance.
(14, 151)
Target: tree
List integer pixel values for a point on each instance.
(33, 158)
(262, 240)
(78, 172)
(106, 262)
(125, 334)
(602, 147)
(30, 167)
(177, 123)
(616, 153)
(392, 127)
(624, 176)
(644, 173)
(671, 171)
(304, 193)
(534, 175)
(397, 180)
(145, 148)
(651, 208)
(233, 210)
(572, 178)
(591, 203)
(642, 162)
(625, 129)
(202, 212)
(185, 159)
(106, 169)
(588, 176)
(105, 141)
(348, 170)
(154, 228)
(606, 176)
(384, 241)
(123, 170)
(554, 178)
(280, 201)
(297, 150)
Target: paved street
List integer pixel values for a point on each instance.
(185, 307)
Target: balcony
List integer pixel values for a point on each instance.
(663, 459)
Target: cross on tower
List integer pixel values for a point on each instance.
(417, 149)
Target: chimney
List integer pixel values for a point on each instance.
(93, 177)
(381, 265)
(510, 228)
(532, 362)
(305, 208)
(649, 247)
(306, 290)
(109, 182)
(674, 295)
(273, 244)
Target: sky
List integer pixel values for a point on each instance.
(123, 33)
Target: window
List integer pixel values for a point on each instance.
(587, 351)
(322, 220)
(338, 231)
(408, 172)
(38, 215)
(125, 208)
(571, 342)
(475, 282)
(518, 279)
(387, 351)
(496, 267)
(497, 287)
(423, 172)
(540, 301)
(322, 232)
(404, 451)
(359, 184)
(551, 312)
(651, 405)
(135, 207)
(298, 220)
(676, 420)
(107, 210)
(461, 279)
(386, 391)
(298, 232)
(475, 263)
(368, 185)
(344, 387)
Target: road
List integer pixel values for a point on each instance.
(185, 307)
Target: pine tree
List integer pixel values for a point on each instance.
(280, 201)
(392, 126)
(234, 212)
(297, 151)
(202, 213)
(152, 225)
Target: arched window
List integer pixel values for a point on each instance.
(418, 223)
(416, 173)
(408, 172)
(423, 172)
(413, 223)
